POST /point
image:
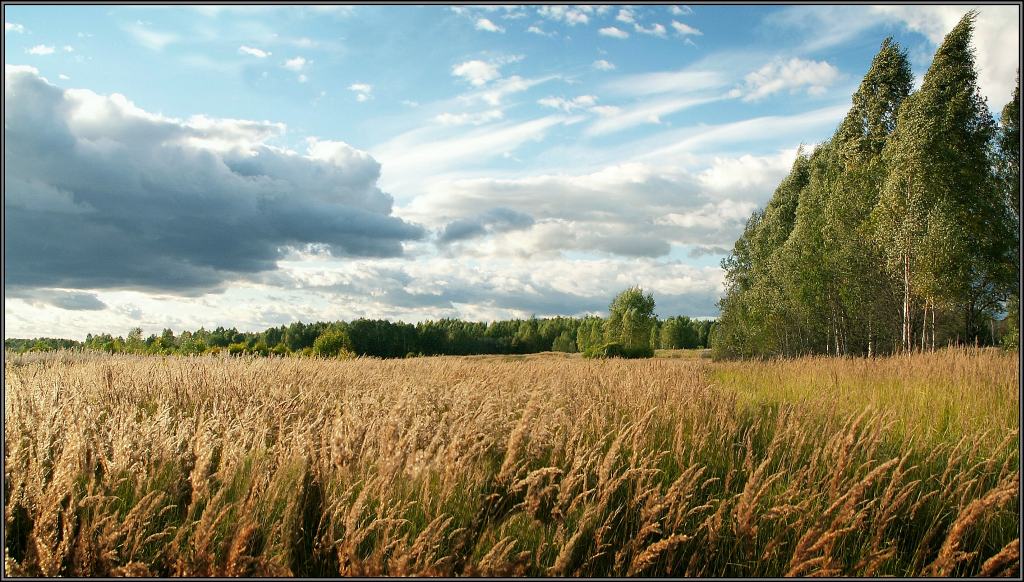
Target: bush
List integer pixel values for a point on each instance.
(616, 350)
(332, 343)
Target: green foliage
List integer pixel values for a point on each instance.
(364, 337)
(630, 319)
(564, 343)
(332, 343)
(899, 232)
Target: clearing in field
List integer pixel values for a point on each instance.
(549, 465)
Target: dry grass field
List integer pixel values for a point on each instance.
(131, 465)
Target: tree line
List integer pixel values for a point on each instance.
(631, 329)
(900, 232)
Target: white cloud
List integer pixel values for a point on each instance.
(421, 155)
(258, 53)
(613, 32)
(653, 30)
(498, 90)
(626, 15)
(68, 48)
(40, 49)
(363, 91)
(685, 29)
(13, 27)
(488, 26)
(469, 118)
(606, 110)
(681, 10)
(647, 112)
(626, 209)
(151, 39)
(571, 15)
(534, 29)
(603, 65)
(793, 74)
(410, 103)
(477, 72)
(670, 145)
(569, 105)
(296, 64)
(63, 77)
(684, 81)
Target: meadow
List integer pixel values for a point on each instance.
(547, 465)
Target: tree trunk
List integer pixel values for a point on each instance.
(906, 301)
(924, 325)
(933, 328)
(870, 319)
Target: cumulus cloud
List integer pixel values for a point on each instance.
(534, 29)
(40, 49)
(100, 193)
(571, 15)
(613, 32)
(603, 65)
(629, 210)
(363, 91)
(626, 15)
(681, 10)
(252, 51)
(493, 221)
(488, 26)
(655, 29)
(568, 105)
(14, 27)
(296, 64)
(794, 74)
(477, 72)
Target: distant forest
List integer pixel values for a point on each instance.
(899, 233)
(386, 339)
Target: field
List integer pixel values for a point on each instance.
(545, 465)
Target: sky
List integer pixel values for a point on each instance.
(254, 166)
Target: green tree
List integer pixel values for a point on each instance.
(331, 343)
(564, 343)
(940, 218)
(1008, 173)
(134, 342)
(630, 319)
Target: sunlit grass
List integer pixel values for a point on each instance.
(545, 465)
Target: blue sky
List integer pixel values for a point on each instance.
(252, 166)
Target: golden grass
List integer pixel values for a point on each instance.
(146, 466)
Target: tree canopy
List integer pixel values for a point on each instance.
(899, 232)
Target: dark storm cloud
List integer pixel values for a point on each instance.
(493, 221)
(70, 300)
(100, 194)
